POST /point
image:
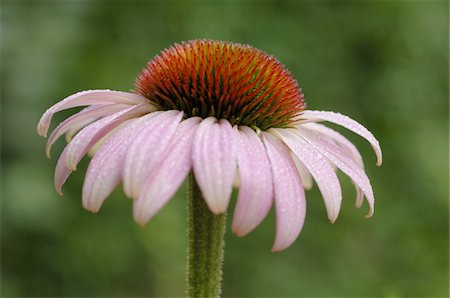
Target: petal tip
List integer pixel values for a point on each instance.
(41, 131)
(141, 221)
(90, 206)
(239, 231)
(276, 249)
(368, 215)
(47, 153)
(218, 210)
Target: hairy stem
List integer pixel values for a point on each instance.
(205, 248)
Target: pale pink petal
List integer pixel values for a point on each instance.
(85, 98)
(81, 119)
(62, 172)
(346, 164)
(290, 203)
(169, 174)
(359, 196)
(319, 168)
(105, 169)
(214, 162)
(106, 137)
(348, 123)
(256, 189)
(339, 139)
(305, 175)
(94, 132)
(347, 146)
(147, 149)
(76, 128)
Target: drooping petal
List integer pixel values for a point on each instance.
(347, 146)
(319, 168)
(305, 175)
(290, 203)
(348, 123)
(346, 164)
(89, 97)
(339, 139)
(62, 172)
(100, 142)
(146, 150)
(105, 169)
(359, 196)
(169, 174)
(81, 119)
(214, 162)
(83, 142)
(256, 187)
(92, 133)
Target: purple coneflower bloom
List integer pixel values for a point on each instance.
(230, 113)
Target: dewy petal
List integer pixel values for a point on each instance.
(305, 175)
(113, 131)
(359, 196)
(83, 141)
(339, 139)
(348, 123)
(105, 169)
(347, 146)
(346, 164)
(90, 97)
(256, 190)
(92, 133)
(214, 162)
(81, 119)
(62, 172)
(146, 150)
(319, 168)
(170, 173)
(290, 203)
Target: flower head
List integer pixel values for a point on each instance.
(227, 112)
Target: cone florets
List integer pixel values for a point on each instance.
(226, 80)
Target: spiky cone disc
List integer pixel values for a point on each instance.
(225, 80)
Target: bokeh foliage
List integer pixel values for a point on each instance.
(384, 63)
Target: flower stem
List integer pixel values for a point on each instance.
(205, 249)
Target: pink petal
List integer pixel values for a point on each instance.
(214, 162)
(90, 97)
(81, 119)
(342, 141)
(341, 159)
(62, 172)
(348, 123)
(146, 150)
(105, 169)
(256, 190)
(305, 175)
(347, 146)
(83, 141)
(290, 203)
(106, 137)
(359, 196)
(91, 134)
(169, 174)
(320, 169)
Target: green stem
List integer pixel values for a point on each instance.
(205, 249)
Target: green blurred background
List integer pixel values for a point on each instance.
(384, 63)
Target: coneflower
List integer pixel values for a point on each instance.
(231, 114)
